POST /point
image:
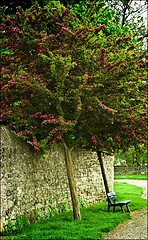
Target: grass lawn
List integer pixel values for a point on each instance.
(131, 176)
(95, 223)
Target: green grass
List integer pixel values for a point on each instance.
(133, 176)
(95, 223)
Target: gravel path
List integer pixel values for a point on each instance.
(135, 228)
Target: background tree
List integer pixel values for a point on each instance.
(132, 157)
(64, 81)
(116, 117)
(131, 13)
(97, 13)
(128, 10)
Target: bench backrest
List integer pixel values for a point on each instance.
(111, 196)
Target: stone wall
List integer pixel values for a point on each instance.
(30, 181)
(130, 170)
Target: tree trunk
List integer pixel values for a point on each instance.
(71, 180)
(103, 171)
(125, 8)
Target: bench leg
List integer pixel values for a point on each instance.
(127, 207)
(113, 208)
(108, 208)
(122, 209)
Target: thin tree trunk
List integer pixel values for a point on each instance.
(123, 17)
(126, 6)
(72, 184)
(103, 171)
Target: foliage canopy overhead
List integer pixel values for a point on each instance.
(63, 80)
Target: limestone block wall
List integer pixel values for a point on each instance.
(30, 180)
(130, 170)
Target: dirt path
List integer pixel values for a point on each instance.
(137, 227)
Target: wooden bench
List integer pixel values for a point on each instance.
(111, 197)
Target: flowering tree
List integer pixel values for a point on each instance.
(63, 81)
(116, 114)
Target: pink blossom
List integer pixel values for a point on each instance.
(21, 121)
(14, 30)
(89, 89)
(10, 84)
(98, 29)
(46, 36)
(106, 108)
(117, 139)
(103, 106)
(46, 116)
(90, 30)
(103, 26)
(11, 59)
(23, 77)
(110, 110)
(48, 121)
(36, 148)
(9, 112)
(65, 10)
(134, 134)
(131, 116)
(18, 14)
(29, 15)
(25, 101)
(69, 121)
(35, 144)
(58, 35)
(60, 119)
(93, 138)
(20, 133)
(32, 127)
(37, 114)
(143, 141)
(58, 137)
(103, 50)
(79, 66)
(63, 29)
(43, 116)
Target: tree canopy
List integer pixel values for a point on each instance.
(56, 59)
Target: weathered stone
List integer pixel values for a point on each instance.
(32, 182)
(131, 170)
